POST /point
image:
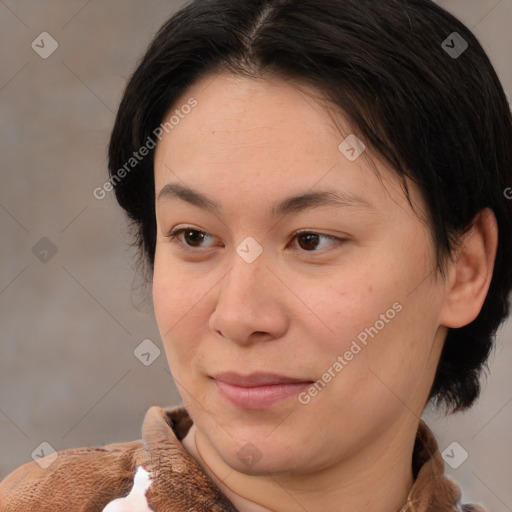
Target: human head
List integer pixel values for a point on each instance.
(442, 122)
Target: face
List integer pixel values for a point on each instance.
(337, 301)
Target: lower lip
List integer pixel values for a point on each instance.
(259, 397)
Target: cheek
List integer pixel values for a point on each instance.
(348, 303)
(385, 360)
(378, 327)
(177, 303)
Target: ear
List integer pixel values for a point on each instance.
(469, 277)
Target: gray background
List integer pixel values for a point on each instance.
(70, 325)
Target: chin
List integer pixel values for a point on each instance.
(262, 455)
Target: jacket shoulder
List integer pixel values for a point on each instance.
(82, 479)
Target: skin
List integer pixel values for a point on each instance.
(300, 304)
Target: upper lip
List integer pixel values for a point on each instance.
(256, 379)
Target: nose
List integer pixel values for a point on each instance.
(250, 305)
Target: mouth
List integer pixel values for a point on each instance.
(258, 390)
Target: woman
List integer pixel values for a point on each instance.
(318, 191)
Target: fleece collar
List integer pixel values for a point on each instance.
(432, 489)
(156, 473)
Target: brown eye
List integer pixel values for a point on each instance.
(192, 237)
(309, 241)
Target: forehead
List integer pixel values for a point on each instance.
(262, 140)
(236, 113)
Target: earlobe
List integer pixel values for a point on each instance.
(470, 274)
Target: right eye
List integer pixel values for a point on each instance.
(191, 234)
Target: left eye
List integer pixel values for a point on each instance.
(308, 240)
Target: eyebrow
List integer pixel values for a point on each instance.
(287, 206)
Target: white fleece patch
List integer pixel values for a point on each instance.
(135, 501)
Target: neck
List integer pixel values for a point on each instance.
(376, 479)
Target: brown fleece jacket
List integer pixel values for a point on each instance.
(87, 479)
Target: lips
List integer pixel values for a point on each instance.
(258, 390)
(256, 379)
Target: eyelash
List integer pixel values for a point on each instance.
(177, 232)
